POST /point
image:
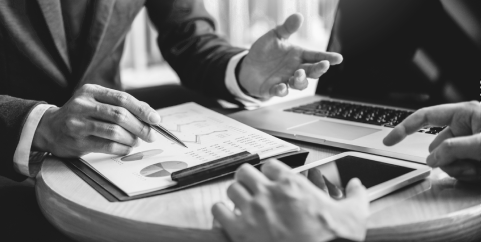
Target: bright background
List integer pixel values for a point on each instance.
(239, 21)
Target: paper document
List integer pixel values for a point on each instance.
(208, 135)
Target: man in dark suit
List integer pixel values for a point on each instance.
(59, 80)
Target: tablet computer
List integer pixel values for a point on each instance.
(380, 175)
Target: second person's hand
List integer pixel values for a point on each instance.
(282, 206)
(457, 149)
(95, 119)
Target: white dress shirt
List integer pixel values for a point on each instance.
(24, 156)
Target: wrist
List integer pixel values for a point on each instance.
(42, 137)
(240, 75)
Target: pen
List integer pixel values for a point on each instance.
(164, 132)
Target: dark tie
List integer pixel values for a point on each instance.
(75, 17)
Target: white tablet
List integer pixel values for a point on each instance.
(380, 175)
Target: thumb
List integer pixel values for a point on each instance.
(290, 26)
(356, 191)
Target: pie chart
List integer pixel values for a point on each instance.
(141, 155)
(162, 169)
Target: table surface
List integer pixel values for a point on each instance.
(438, 208)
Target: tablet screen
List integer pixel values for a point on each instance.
(334, 176)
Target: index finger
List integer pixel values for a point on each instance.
(123, 99)
(317, 56)
(436, 115)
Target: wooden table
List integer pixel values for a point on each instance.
(436, 209)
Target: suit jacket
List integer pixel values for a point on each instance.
(35, 66)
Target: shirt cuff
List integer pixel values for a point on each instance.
(233, 86)
(22, 155)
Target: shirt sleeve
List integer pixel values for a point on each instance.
(233, 85)
(23, 154)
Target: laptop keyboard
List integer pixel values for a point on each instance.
(359, 113)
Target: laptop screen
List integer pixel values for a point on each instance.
(406, 53)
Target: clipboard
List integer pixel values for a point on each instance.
(114, 194)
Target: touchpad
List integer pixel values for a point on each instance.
(334, 130)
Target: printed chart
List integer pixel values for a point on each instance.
(141, 155)
(162, 169)
(208, 136)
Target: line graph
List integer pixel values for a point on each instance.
(198, 137)
(162, 117)
(179, 126)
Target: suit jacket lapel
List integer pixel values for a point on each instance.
(15, 19)
(53, 16)
(102, 13)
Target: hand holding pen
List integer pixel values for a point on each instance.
(95, 119)
(164, 132)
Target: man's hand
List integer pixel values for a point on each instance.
(273, 62)
(95, 119)
(282, 206)
(457, 149)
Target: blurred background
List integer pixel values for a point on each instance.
(239, 21)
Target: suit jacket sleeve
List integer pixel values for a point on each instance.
(13, 114)
(189, 44)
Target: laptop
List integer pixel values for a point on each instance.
(397, 58)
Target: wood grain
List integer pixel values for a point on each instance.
(436, 209)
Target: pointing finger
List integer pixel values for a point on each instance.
(310, 56)
(127, 101)
(290, 26)
(437, 115)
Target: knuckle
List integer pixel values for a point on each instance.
(287, 189)
(448, 144)
(143, 108)
(474, 104)
(112, 131)
(97, 109)
(110, 147)
(77, 105)
(87, 88)
(92, 127)
(71, 124)
(145, 130)
(122, 98)
(287, 181)
(119, 115)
